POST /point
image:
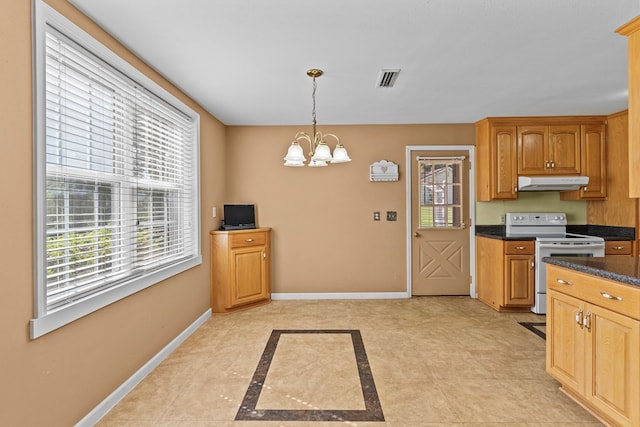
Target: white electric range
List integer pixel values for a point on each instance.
(551, 239)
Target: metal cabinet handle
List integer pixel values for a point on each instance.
(533, 265)
(520, 248)
(618, 248)
(564, 282)
(586, 322)
(579, 317)
(553, 165)
(264, 254)
(515, 189)
(546, 164)
(609, 296)
(248, 240)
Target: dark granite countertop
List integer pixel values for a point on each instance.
(619, 268)
(604, 231)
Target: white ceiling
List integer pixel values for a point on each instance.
(245, 61)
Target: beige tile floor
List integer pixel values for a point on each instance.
(435, 361)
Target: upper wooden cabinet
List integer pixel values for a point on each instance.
(496, 159)
(544, 150)
(593, 164)
(632, 31)
(507, 147)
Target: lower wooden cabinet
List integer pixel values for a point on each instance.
(240, 269)
(505, 273)
(593, 351)
(618, 247)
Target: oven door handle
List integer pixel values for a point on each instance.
(586, 245)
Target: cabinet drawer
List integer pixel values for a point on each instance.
(615, 296)
(243, 240)
(516, 247)
(617, 247)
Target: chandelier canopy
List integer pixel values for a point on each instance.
(319, 151)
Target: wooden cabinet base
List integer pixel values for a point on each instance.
(576, 398)
(225, 311)
(240, 269)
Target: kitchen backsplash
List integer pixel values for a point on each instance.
(490, 213)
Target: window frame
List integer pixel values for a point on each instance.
(44, 321)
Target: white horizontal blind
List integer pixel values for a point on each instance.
(120, 193)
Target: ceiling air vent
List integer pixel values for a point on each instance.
(387, 78)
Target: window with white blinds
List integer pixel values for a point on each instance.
(116, 177)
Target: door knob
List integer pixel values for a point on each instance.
(416, 234)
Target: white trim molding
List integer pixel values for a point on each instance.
(340, 295)
(118, 394)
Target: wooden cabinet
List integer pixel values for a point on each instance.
(618, 247)
(508, 147)
(240, 269)
(592, 164)
(544, 150)
(505, 273)
(593, 343)
(496, 157)
(632, 31)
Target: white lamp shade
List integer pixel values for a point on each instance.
(317, 163)
(294, 163)
(322, 153)
(294, 154)
(340, 155)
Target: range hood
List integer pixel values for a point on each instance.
(551, 183)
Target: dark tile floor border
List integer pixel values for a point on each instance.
(373, 409)
(532, 327)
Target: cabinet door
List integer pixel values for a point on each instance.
(593, 161)
(564, 150)
(532, 150)
(565, 340)
(249, 281)
(519, 280)
(503, 173)
(613, 365)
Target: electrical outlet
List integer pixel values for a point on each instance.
(503, 219)
(392, 215)
(376, 216)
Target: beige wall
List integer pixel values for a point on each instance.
(324, 236)
(57, 379)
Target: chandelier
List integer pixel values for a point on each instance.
(319, 151)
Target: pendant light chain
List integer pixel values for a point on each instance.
(313, 112)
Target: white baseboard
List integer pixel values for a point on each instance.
(112, 400)
(340, 295)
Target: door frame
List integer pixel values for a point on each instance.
(472, 208)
